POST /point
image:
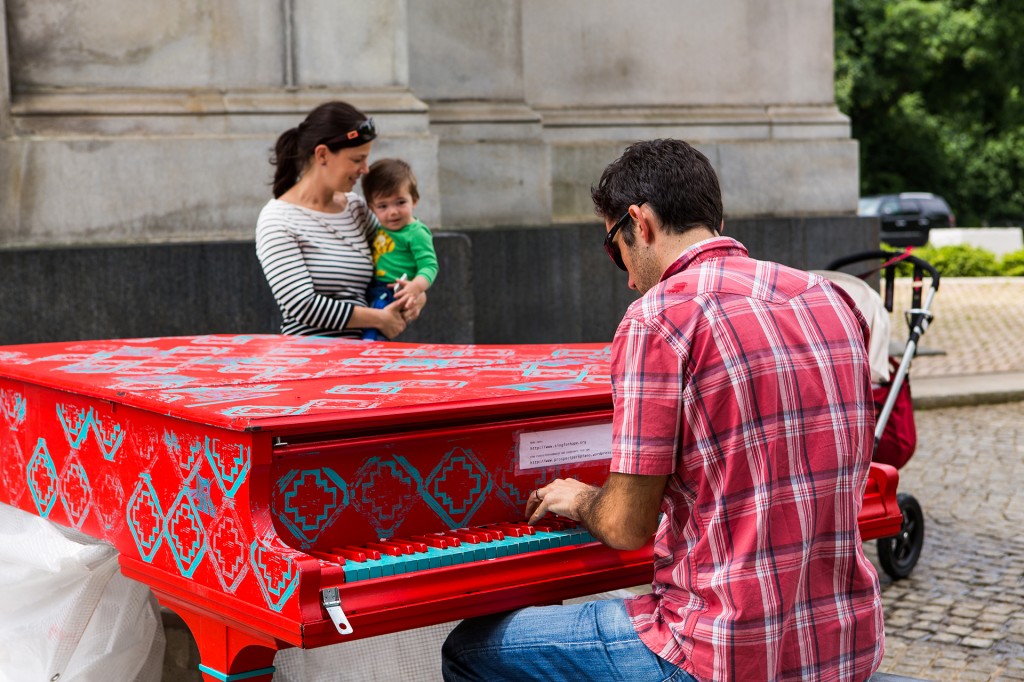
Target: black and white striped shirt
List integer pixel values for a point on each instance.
(318, 264)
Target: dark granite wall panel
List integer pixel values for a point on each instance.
(510, 285)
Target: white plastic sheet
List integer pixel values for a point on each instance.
(66, 612)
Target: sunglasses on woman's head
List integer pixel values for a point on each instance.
(360, 135)
(610, 246)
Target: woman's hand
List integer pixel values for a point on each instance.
(392, 320)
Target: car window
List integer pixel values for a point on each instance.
(868, 206)
(935, 205)
(890, 207)
(909, 206)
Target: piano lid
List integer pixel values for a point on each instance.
(247, 382)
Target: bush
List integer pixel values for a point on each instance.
(1012, 264)
(962, 260)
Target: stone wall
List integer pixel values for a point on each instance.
(134, 144)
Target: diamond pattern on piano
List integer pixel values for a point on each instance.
(110, 491)
(185, 534)
(76, 422)
(12, 406)
(385, 488)
(275, 572)
(227, 548)
(231, 466)
(12, 469)
(515, 491)
(185, 456)
(42, 479)
(201, 497)
(75, 491)
(109, 436)
(145, 518)
(312, 500)
(457, 487)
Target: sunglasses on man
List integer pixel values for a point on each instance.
(610, 247)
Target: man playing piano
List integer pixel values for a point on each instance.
(742, 438)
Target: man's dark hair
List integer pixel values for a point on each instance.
(673, 178)
(388, 177)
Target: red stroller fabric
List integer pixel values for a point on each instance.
(899, 438)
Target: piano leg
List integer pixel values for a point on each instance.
(227, 654)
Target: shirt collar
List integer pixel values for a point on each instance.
(713, 247)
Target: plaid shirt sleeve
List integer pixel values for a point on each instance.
(647, 385)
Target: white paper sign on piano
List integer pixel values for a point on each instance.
(558, 447)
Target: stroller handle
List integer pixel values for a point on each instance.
(892, 257)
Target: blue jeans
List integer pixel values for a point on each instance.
(590, 641)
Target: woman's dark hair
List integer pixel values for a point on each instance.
(673, 178)
(388, 177)
(332, 124)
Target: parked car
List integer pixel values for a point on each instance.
(906, 218)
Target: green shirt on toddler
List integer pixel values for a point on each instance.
(408, 251)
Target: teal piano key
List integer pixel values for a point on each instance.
(355, 570)
(465, 553)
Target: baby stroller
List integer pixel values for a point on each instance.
(895, 433)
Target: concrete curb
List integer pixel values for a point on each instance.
(967, 390)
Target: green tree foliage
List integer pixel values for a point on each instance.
(934, 92)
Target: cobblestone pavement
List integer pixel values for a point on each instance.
(979, 324)
(960, 615)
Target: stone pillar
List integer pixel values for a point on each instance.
(467, 63)
(5, 82)
(155, 125)
(749, 83)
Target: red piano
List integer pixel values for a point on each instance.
(299, 491)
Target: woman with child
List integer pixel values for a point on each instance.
(313, 239)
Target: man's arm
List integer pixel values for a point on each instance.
(623, 514)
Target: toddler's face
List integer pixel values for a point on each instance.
(394, 212)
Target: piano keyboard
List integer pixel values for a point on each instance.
(396, 556)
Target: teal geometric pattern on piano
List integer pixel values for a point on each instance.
(76, 422)
(109, 436)
(229, 462)
(275, 572)
(184, 455)
(42, 479)
(457, 487)
(313, 498)
(12, 469)
(75, 491)
(516, 495)
(12, 406)
(185, 534)
(227, 548)
(110, 491)
(384, 490)
(145, 518)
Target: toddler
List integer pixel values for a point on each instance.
(403, 250)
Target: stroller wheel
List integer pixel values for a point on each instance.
(898, 555)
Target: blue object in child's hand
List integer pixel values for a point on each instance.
(380, 297)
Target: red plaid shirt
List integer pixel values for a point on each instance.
(747, 382)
